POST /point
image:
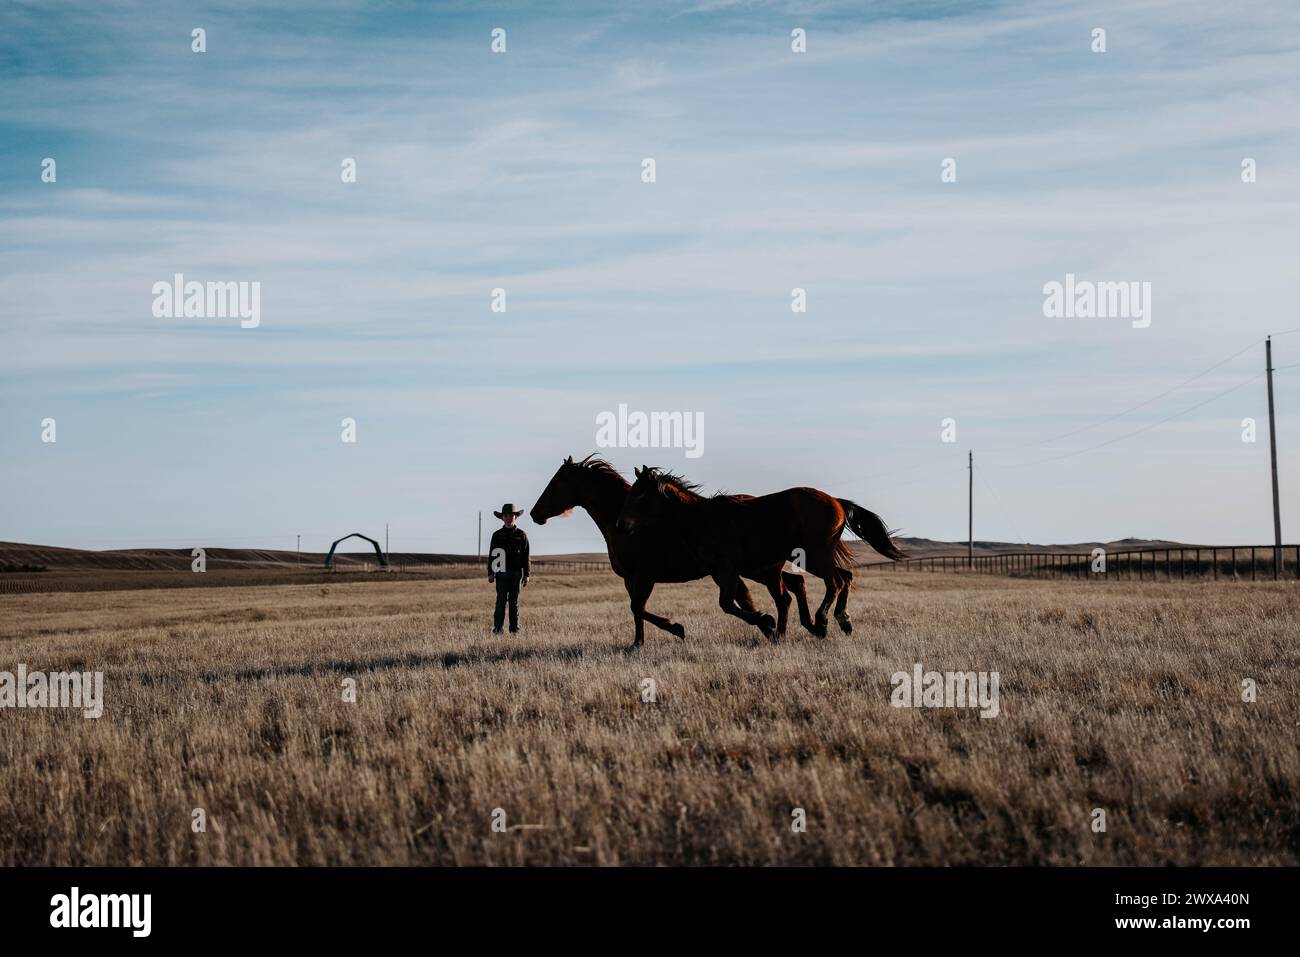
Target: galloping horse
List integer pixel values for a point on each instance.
(742, 535)
(646, 559)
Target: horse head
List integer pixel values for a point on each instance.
(559, 496)
(576, 484)
(652, 498)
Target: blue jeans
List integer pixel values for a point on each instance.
(507, 591)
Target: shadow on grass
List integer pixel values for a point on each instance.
(392, 662)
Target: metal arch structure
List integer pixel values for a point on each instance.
(329, 559)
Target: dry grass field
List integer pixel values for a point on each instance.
(1121, 696)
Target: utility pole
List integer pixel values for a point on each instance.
(480, 533)
(1272, 451)
(970, 510)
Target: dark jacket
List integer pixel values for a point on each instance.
(514, 542)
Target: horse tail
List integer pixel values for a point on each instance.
(867, 525)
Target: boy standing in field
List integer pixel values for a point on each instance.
(508, 566)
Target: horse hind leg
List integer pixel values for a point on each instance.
(794, 584)
(824, 563)
(828, 572)
(822, 618)
(841, 603)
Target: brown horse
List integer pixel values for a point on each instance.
(742, 535)
(643, 561)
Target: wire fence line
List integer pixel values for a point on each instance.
(592, 565)
(1172, 563)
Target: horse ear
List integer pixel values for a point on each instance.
(636, 471)
(569, 460)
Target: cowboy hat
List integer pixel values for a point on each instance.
(508, 507)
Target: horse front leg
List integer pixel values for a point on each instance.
(659, 621)
(776, 588)
(728, 585)
(743, 598)
(637, 595)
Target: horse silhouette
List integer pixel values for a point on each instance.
(754, 536)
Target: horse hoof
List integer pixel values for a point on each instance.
(846, 626)
(768, 624)
(632, 648)
(819, 630)
(678, 631)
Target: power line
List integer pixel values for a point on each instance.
(911, 469)
(1134, 408)
(1128, 435)
(936, 472)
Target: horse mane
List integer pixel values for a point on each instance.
(679, 482)
(687, 491)
(595, 463)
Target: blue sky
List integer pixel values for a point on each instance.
(775, 170)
